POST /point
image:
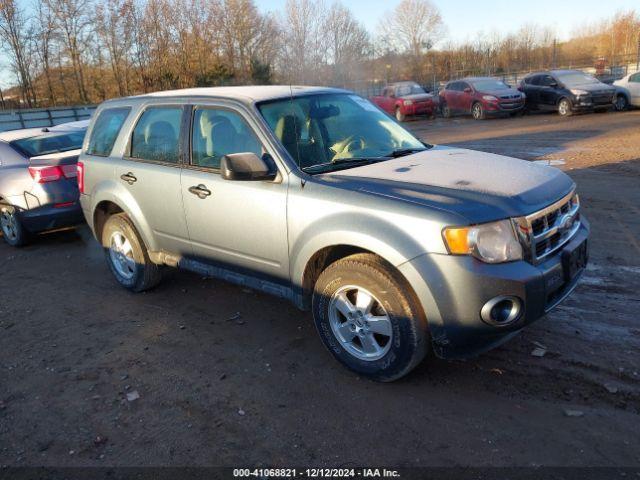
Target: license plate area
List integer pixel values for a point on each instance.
(574, 259)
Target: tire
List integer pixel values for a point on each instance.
(446, 111)
(127, 255)
(384, 347)
(564, 107)
(401, 117)
(621, 104)
(13, 231)
(477, 112)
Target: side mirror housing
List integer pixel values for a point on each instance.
(468, 90)
(246, 166)
(553, 84)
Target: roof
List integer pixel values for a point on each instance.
(555, 72)
(12, 135)
(254, 93)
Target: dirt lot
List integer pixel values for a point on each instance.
(258, 388)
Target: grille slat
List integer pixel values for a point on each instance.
(550, 228)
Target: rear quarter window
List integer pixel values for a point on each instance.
(105, 131)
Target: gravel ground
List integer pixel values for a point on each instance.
(199, 372)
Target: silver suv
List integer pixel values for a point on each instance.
(315, 195)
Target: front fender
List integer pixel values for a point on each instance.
(368, 233)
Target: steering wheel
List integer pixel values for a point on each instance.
(349, 145)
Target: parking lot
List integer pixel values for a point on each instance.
(199, 372)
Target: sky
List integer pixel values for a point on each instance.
(465, 19)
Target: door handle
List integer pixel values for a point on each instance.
(201, 191)
(129, 178)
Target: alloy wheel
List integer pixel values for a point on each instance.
(477, 111)
(360, 323)
(8, 223)
(563, 107)
(121, 255)
(621, 103)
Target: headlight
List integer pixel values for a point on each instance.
(407, 103)
(578, 92)
(489, 98)
(494, 242)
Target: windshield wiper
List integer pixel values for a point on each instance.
(345, 162)
(406, 151)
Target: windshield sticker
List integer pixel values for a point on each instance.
(365, 104)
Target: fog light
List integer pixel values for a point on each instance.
(502, 310)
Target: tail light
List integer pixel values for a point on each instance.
(52, 174)
(80, 175)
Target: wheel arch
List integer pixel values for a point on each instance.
(107, 203)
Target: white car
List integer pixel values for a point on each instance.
(628, 91)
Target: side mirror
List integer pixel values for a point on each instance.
(553, 84)
(468, 90)
(245, 166)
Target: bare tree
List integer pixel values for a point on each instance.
(348, 42)
(44, 44)
(114, 25)
(14, 34)
(72, 18)
(413, 28)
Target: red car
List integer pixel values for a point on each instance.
(406, 99)
(480, 97)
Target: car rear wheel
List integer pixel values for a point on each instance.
(401, 117)
(127, 255)
(13, 231)
(369, 319)
(564, 107)
(477, 112)
(446, 111)
(621, 103)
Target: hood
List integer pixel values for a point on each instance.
(500, 93)
(478, 186)
(417, 97)
(592, 87)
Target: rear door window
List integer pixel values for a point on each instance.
(156, 136)
(105, 131)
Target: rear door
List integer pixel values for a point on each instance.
(451, 96)
(150, 172)
(465, 99)
(548, 92)
(241, 225)
(531, 90)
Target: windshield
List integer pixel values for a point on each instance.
(49, 143)
(410, 89)
(327, 129)
(489, 85)
(576, 78)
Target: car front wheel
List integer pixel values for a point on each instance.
(477, 112)
(401, 117)
(621, 103)
(564, 107)
(369, 319)
(127, 255)
(13, 231)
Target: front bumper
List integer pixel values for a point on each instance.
(586, 103)
(453, 290)
(496, 108)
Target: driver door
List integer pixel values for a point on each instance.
(239, 225)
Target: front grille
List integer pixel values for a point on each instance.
(543, 233)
